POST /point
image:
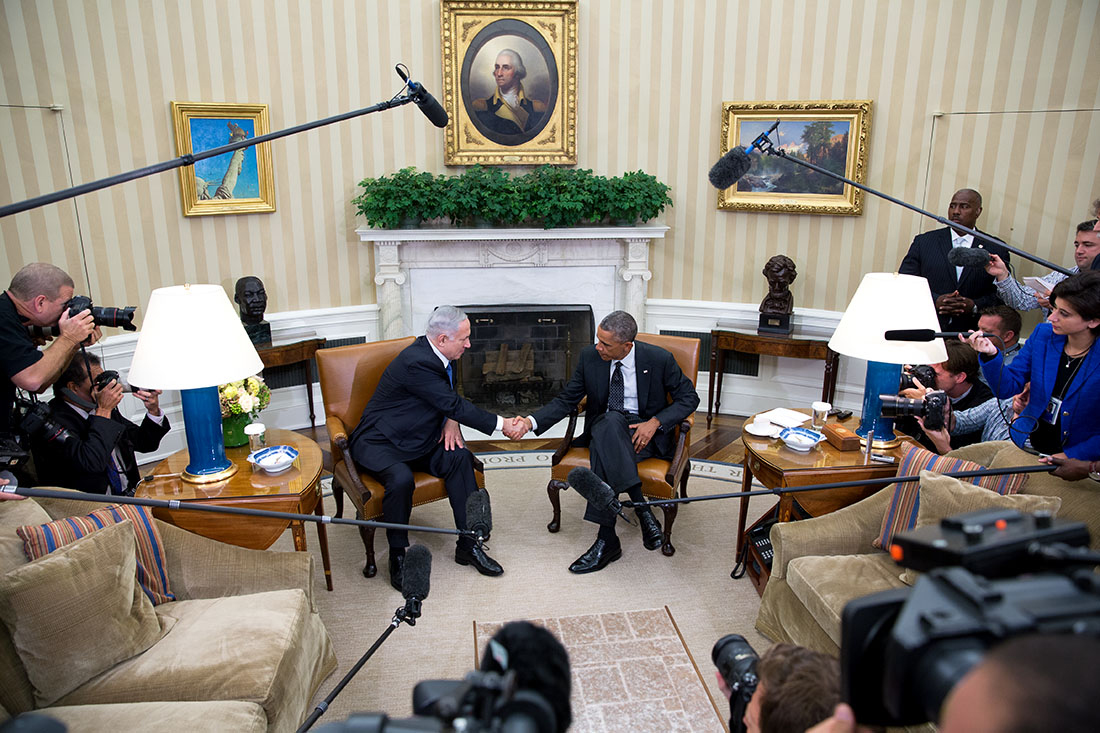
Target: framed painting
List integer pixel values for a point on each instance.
(510, 81)
(237, 182)
(829, 134)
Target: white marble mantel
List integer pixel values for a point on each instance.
(419, 269)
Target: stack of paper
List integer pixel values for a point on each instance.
(783, 416)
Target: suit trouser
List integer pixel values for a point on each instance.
(611, 453)
(455, 467)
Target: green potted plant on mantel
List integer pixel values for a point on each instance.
(548, 196)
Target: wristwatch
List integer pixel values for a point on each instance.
(1093, 473)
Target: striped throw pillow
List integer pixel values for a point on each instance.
(152, 572)
(901, 514)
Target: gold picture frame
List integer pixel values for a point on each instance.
(237, 182)
(830, 134)
(534, 122)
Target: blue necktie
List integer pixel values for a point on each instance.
(112, 476)
(450, 374)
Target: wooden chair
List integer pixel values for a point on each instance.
(659, 477)
(349, 375)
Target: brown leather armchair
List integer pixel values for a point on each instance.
(349, 376)
(659, 477)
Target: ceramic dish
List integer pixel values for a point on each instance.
(801, 439)
(274, 459)
(767, 431)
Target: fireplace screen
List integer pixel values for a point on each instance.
(520, 356)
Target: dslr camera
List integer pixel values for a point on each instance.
(923, 372)
(34, 420)
(991, 575)
(932, 407)
(102, 316)
(736, 661)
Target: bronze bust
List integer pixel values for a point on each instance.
(778, 304)
(251, 297)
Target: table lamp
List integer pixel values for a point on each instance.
(886, 301)
(192, 340)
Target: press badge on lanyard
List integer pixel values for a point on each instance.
(1054, 408)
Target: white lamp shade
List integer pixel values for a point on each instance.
(884, 302)
(191, 337)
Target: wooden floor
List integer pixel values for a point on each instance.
(721, 442)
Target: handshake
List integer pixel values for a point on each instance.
(515, 427)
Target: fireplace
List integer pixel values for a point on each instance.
(521, 356)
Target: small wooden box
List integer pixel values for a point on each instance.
(841, 437)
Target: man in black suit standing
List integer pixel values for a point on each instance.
(959, 292)
(637, 395)
(412, 424)
(99, 458)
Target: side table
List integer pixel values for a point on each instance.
(296, 490)
(747, 342)
(299, 352)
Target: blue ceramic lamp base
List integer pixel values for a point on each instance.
(202, 421)
(881, 379)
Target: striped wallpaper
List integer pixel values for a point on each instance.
(1000, 95)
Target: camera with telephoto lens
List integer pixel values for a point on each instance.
(736, 661)
(105, 377)
(101, 315)
(35, 421)
(483, 701)
(923, 372)
(932, 407)
(903, 650)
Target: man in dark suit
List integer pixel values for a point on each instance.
(412, 424)
(99, 457)
(960, 293)
(628, 417)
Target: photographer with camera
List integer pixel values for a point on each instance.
(787, 690)
(37, 296)
(99, 456)
(958, 378)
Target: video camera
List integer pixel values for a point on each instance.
(483, 701)
(903, 650)
(932, 407)
(102, 316)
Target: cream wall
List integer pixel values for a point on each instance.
(997, 95)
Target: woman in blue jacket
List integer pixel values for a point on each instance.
(1062, 418)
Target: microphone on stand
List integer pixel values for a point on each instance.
(425, 101)
(595, 491)
(415, 581)
(479, 516)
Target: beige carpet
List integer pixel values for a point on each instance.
(694, 584)
(631, 672)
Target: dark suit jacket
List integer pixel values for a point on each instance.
(81, 462)
(664, 392)
(404, 418)
(927, 257)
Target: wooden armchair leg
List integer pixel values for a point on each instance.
(666, 542)
(367, 534)
(553, 490)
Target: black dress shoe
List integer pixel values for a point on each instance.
(599, 556)
(397, 567)
(476, 556)
(651, 529)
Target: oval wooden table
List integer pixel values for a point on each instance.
(296, 490)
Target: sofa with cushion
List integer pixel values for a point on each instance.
(123, 622)
(822, 563)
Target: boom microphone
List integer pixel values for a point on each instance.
(968, 257)
(425, 101)
(416, 573)
(595, 491)
(729, 168)
(479, 517)
(922, 334)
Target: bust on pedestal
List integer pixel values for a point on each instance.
(778, 304)
(251, 297)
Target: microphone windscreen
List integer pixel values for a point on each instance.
(729, 168)
(590, 486)
(428, 105)
(968, 257)
(416, 572)
(479, 516)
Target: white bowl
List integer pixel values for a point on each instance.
(801, 439)
(273, 459)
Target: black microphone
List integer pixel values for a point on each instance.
(736, 163)
(923, 334)
(425, 101)
(415, 580)
(968, 257)
(479, 517)
(595, 491)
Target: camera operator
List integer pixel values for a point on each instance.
(99, 458)
(36, 297)
(796, 688)
(958, 377)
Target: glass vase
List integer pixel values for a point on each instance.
(233, 430)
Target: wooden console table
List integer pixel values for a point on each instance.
(299, 352)
(748, 342)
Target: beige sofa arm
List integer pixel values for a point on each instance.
(847, 531)
(203, 568)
